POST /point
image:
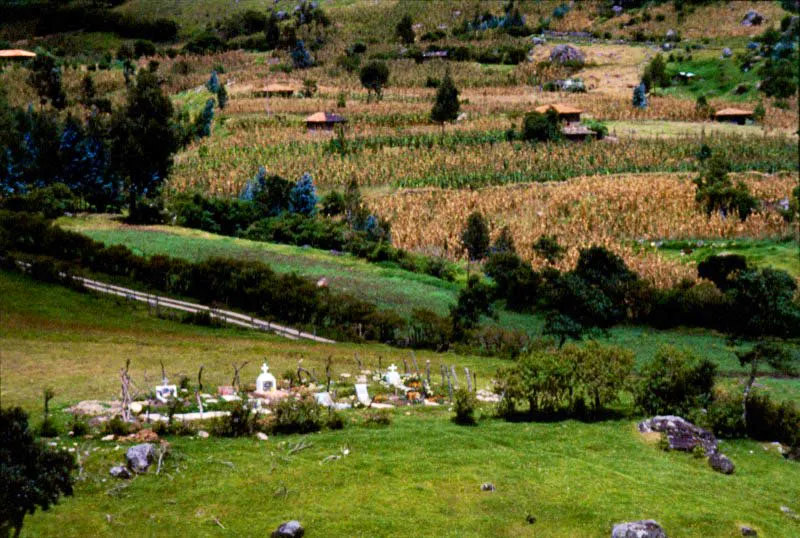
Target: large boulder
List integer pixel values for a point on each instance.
(139, 457)
(680, 433)
(721, 463)
(562, 54)
(752, 18)
(290, 529)
(646, 528)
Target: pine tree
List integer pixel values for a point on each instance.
(88, 92)
(301, 58)
(475, 237)
(272, 32)
(446, 106)
(222, 97)
(213, 82)
(45, 77)
(303, 197)
(405, 30)
(143, 139)
(202, 125)
(640, 96)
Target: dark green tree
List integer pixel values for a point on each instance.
(538, 127)
(222, 97)
(32, 475)
(272, 31)
(374, 77)
(780, 358)
(405, 30)
(548, 248)
(474, 301)
(446, 106)
(655, 74)
(143, 140)
(45, 77)
(717, 193)
(475, 237)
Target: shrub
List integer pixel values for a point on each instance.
(378, 418)
(241, 422)
(537, 127)
(297, 415)
(464, 405)
(598, 127)
(675, 382)
(78, 426)
(602, 371)
(721, 269)
(116, 426)
(335, 420)
(716, 192)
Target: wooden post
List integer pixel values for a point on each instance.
(358, 361)
(449, 385)
(126, 392)
(442, 370)
(328, 373)
(380, 364)
(235, 382)
(475, 381)
(405, 366)
(455, 377)
(469, 379)
(414, 360)
(428, 371)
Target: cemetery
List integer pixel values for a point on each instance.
(444, 268)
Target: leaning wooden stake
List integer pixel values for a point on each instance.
(199, 390)
(428, 371)
(455, 377)
(414, 360)
(469, 379)
(235, 383)
(126, 391)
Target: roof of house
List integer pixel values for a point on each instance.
(559, 108)
(278, 87)
(16, 53)
(733, 112)
(325, 117)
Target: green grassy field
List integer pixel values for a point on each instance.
(422, 471)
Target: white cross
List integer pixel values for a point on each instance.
(264, 368)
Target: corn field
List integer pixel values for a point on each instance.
(620, 212)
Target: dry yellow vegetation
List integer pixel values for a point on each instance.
(613, 211)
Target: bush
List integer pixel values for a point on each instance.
(297, 415)
(335, 420)
(378, 418)
(464, 406)
(78, 426)
(675, 382)
(766, 420)
(241, 422)
(537, 127)
(721, 269)
(116, 426)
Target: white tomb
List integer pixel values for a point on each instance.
(266, 381)
(393, 376)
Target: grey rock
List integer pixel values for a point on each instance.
(646, 528)
(139, 457)
(681, 434)
(721, 463)
(562, 54)
(752, 18)
(290, 529)
(617, 10)
(727, 53)
(120, 471)
(789, 512)
(487, 486)
(747, 531)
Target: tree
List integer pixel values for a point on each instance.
(374, 77)
(655, 74)
(301, 58)
(716, 192)
(405, 30)
(212, 84)
(446, 106)
(504, 243)
(475, 237)
(303, 197)
(222, 97)
(143, 139)
(548, 248)
(88, 92)
(778, 357)
(640, 96)
(33, 476)
(473, 302)
(272, 32)
(355, 212)
(602, 371)
(202, 124)
(538, 127)
(675, 382)
(779, 78)
(45, 77)
(722, 269)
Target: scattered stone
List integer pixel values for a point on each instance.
(109, 437)
(617, 9)
(136, 408)
(487, 486)
(530, 519)
(262, 436)
(230, 397)
(290, 529)
(789, 512)
(671, 34)
(143, 436)
(486, 396)
(139, 457)
(210, 401)
(95, 408)
(793, 453)
(538, 41)
(562, 54)
(681, 434)
(727, 53)
(721, 463)
(202, 434)
(646, 528)
(120, 471)
(752, 18)
(747, 531)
